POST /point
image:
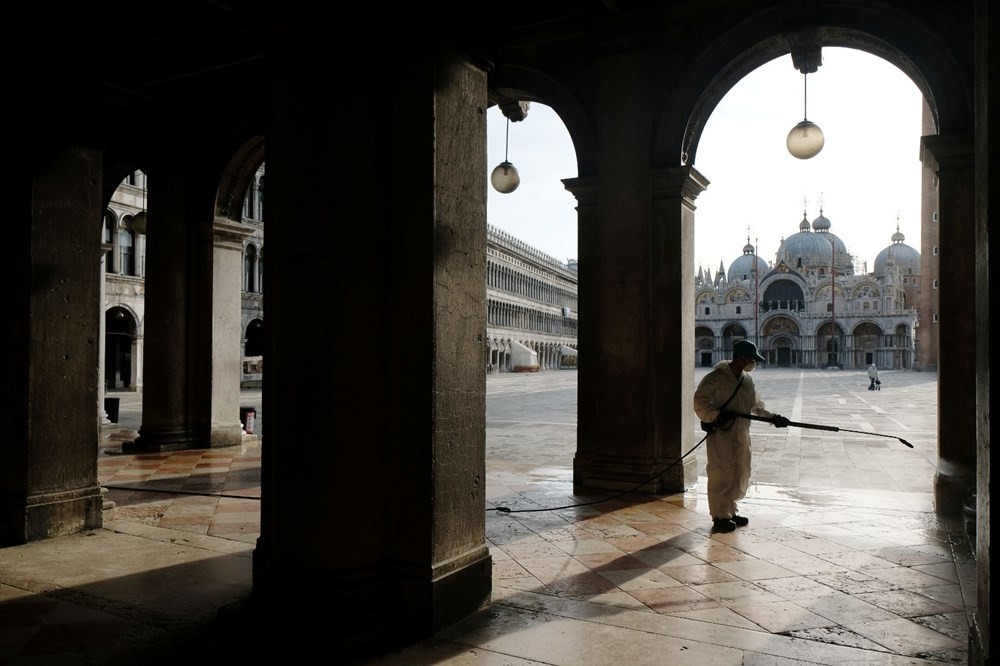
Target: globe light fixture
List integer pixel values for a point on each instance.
(505, 178)
(805, 140)
(139, 223)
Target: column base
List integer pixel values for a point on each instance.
(657, 476)
(156, 441)
(389, 609)
(229, 435)
(47, 515)
(953, 486)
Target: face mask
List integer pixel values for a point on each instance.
(750, 367)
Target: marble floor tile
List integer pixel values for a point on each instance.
(765, 550)
(754, 570)
(697, 574)
(815, 545)
(586, 547)
(851, 582)
(665, 556)
(531, 548)
(547, 569)
(610, 561)
(782, 616)
(947, 571)
(722, 616)
(846, 610)
(577, 584)
(946, 594)
(907, 604)
(856, 561)
(908, 557)
(955, 625)
(903, 636)
(630, 580)
(674, 599)
(840, 635)
(737, 594)
(807, 565)
(905, 577)
(618, 599)
(797, 587)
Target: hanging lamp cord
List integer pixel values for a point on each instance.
(506, 142)
(805, 96)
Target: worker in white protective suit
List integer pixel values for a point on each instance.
(723, 393)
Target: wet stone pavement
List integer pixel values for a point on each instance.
(844, 560)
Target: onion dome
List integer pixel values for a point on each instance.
(821, 223)
(743, 267)
(839, 253)
(805, 249)
(905, 258)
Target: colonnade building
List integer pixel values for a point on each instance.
(810, 308)
(531, 296)
(377, 168)
(531, 318)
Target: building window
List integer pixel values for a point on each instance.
(934, 216)
(739, 310)
(934, 284)
(934, 250)
(107, 238)
(126, 247)
(250, 269)
(708, 310)
(935, 318)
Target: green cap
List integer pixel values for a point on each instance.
(748, 349)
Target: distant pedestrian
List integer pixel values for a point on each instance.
(873, 381)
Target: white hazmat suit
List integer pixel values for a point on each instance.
(728, 448)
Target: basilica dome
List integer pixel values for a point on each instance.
(806, 249)
(742, 267)
(899, 254)
(844, 262)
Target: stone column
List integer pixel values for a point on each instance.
(356, 200)
(102, 415)
(225, 238)
(48, 444)
(953, 156)
(137, 349)
(672, 304)
(167, 400)
(618, 447)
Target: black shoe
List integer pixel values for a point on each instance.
(723, 525)
(741, 521)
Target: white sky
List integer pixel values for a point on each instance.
(867, 177)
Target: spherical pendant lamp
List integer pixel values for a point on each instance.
(805, 140)
(505, 178)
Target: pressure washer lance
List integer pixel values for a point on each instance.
(817, 426)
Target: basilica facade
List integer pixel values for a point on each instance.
(811, 307)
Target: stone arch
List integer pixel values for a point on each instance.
(237, 177)
(900, 38)
(516, 82)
